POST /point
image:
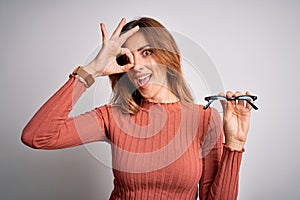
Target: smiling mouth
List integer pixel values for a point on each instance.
(144, 80)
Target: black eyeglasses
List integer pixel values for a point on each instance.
(219, 102)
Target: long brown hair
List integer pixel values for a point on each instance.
(165, 52)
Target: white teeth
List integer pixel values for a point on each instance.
(143, 80)
(143, 77)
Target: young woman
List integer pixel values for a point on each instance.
(163, 145)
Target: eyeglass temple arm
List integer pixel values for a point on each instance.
(207, 105)
(252, 104)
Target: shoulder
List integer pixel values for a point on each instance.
(109, 110)
(207, 115)
(201, 109)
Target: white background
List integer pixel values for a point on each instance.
(253, 44)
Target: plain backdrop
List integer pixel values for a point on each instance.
(254, 46)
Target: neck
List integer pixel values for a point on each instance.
(163, 97)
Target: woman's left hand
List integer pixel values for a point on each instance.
(236, 121)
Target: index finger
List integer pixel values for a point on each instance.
(129, 33)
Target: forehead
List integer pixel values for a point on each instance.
(136, 41)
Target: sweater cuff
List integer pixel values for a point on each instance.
(225, 147)
(78, 88)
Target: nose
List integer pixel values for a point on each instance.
(138, 63)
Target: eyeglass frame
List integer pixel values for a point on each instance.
(211, 99)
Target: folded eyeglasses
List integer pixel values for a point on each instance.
(218, 102)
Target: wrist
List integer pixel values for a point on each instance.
(91, 70)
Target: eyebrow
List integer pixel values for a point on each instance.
(143, 47)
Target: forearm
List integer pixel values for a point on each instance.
(52, 116)
(225, 184)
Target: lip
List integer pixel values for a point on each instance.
(144, 80)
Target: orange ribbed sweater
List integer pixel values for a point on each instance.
(163, 152)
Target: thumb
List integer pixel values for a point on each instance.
(223, 101)
(127, 67)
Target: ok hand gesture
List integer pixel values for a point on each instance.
(105, 62)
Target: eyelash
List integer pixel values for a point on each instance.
(147, 52)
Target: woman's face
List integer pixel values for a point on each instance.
(148, 76)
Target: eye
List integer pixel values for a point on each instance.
(147, 52)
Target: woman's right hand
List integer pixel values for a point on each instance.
(105, 62)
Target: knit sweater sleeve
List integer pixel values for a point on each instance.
(52, 128)
(221, 165)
